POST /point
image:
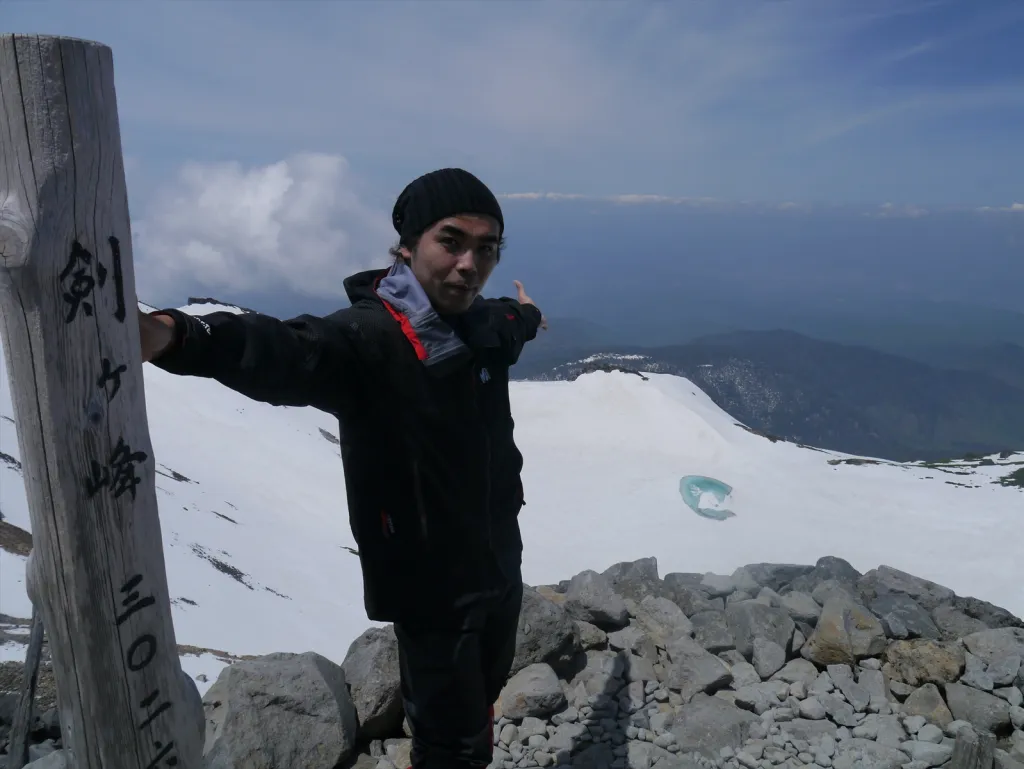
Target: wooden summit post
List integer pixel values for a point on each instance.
(71, 339)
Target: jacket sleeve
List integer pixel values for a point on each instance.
(516, 324)
(305, 361)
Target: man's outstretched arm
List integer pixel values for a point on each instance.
(305, 361)
(519, 321)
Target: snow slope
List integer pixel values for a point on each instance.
(259, 551)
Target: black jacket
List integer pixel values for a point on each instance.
(432, 472)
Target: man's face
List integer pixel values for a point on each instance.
(454, 259)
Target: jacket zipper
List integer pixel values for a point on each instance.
(487, 454)
(420, 507)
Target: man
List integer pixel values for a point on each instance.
(416, 370)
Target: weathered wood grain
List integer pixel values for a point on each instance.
(973, 750)
(71, 338)
(17, 746)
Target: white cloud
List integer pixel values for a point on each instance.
(894, 211)
(640, 199)
(1016, 208)
(296, 224)
(624, 199)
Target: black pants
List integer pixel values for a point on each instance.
(452, 673)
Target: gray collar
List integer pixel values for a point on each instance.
(435, 341)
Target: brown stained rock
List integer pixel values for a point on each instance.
(921, 661)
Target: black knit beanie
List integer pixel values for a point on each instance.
(438, 195)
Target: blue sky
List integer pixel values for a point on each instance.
(236, 115)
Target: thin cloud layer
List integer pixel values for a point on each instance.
(906, 100)
(297, 225)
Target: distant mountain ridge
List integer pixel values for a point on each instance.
(836, 396)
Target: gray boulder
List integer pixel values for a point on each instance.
(903, 617)
(546, 633)
(280, 710)
(768, 657)
(371, 671)
(636, 580)
(749, 620)
(743, 673)
(801, 607)
(693, 669)
(684, 591)
(533, 691)
(953, 623)
(991, 615)
(708, 724)
(846, 632)
(761, 697)
(663, 619)
(777, 576)
(887, 580)
(711, 631)
(926, 702)
(798, 670)
(980, 709)
(592, 598)
(827, 569)
(994, 646)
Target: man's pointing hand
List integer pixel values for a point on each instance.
(524, 299)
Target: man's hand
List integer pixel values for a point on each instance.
(524, 299)
(156, 334)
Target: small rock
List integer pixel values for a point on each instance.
(812, 709)
(929, 753)
(768, 657)
(930, 733)
(856, 695)
(903, 617)
(900, 690)
(976, 674)
(1004, 672)
(822, 684)
(799, 639)
(953, 728)
(591, 636)
(914, 724)
(801, 606)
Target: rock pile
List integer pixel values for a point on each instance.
(772, 666)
